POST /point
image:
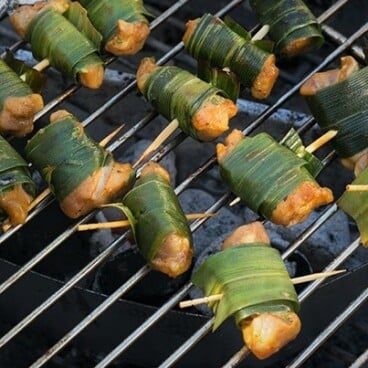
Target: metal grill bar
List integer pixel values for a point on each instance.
(342, 318)
(168, 305)
(362, 359)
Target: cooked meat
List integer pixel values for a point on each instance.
(105, 184)
(213, 117)
(15, 203)
(322, 80)
(154, 168)
(174, 257)
(298, 46)
(146, 67)
(299, 204)
(129, 38)
(231, 140)
(250, 233)
(16, 116)
(264, 82)
(189, 29)
(266, 333)
(92, 76)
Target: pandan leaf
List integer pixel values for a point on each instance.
(356, 205)
(30, 76)
(13, 170)
(77, 15)
(104, 14)
(154, 212)
(289, 21)
(237, 28)
(343, 107)
(293, 141)
(213, 41)
(222, 79)
(66, 149)
(54, 38)
(252, 278)
(177, 94)
(263, 172)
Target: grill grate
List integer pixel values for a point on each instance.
(345, 44)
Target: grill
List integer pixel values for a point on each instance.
(69, 315)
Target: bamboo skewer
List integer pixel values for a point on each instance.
(261, 33)
(296, 280)
(318, 143)
(161, 138)
(43, 64)
(357, 188)
(125, 223)
(109, 137)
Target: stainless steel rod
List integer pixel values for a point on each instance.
(361, 361)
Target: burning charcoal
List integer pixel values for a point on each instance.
(325, 244)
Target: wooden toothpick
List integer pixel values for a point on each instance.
(357, 188)
(43, 64)
(109, 137)
(161, 138)
(318, 143)
(234, 201)
(125, 223)
(295, 280)
(261, 34)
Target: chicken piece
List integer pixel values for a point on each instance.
(230, 142)
(15, 203)
(250, 233)
(266, 333)
(212, 119)
(322, 80)
(190, 26)
(146, 67)
(92, 76)
(16, 116)
(297, 206)
(263, 84)
(129, 38)
(104, 185)
(298, 46)
(174, 256)
(24, 14)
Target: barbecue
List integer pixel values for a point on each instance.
(52, 279)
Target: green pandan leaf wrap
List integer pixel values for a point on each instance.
(356, 205)
(14, 170)
(178, 94)
(289, 20)
(154, 212)
(77, 15)
(104, 14)
(344, 107)
(253, 279)
(262, 172)
(226, 46)
(31, 77)
(65, 156)
(54, 38)
(11, 84)
(293, 141)
(224, 80)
